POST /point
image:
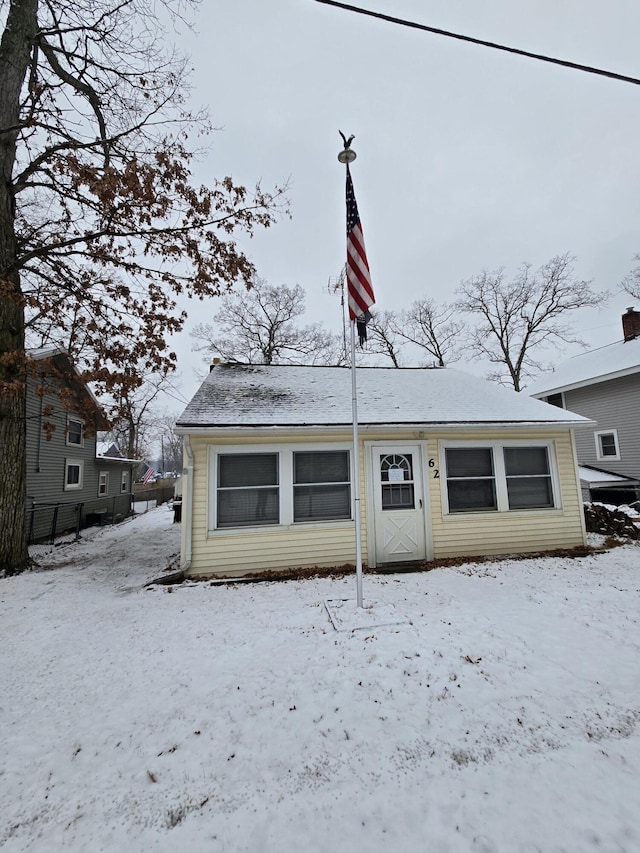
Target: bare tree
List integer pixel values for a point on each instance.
(102, 228)
(517, 319)
(258, 326)
(436, 330)
(170, 443)
(383, 335)
(631, 284)
(134, 426)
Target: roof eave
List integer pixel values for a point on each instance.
(463, 426)
(584, 383)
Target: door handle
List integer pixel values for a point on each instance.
(420, 502)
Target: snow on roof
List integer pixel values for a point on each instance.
(46, 352)
(121, 460)
(596, 478)
(609, 362)
(286, 395)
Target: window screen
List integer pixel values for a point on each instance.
(248, 491)
(471, 481)
(528, 477)
(321, 485)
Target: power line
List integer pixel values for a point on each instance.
(588, 69)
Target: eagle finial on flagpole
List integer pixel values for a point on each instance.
(347, 142)
(347, 155)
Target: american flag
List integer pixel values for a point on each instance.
(149, 474)
(359, 288)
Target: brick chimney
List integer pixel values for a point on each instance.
(631, 324)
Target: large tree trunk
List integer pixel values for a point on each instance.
(15, 52)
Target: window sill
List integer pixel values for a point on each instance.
(339, 524)
(501, 513)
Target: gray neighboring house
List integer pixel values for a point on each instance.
(69, 483)
(603, 385)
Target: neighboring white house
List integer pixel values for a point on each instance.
(451, 465)
(603, 385)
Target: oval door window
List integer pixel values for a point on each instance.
(396, 480)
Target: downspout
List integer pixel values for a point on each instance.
(187, 502)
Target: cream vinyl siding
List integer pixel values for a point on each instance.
(241, 552)
(515, 531)
(251, 551)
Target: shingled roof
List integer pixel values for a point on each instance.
(241, 395)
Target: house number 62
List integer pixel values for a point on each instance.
(436, 473)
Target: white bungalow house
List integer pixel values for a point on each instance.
(451, 465)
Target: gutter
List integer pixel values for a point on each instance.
(373, 429)
(187, 499)
(585, 383)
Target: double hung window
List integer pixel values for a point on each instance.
(278, 487)
(321, 489)
(75, 432)
(607, 445)
(528, 476)
(103, 483)
(498, 477)
(73, 470)
(471, 481)
(247, 489)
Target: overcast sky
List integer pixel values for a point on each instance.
(468, 158)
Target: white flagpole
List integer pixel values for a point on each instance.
(346, 156)
(356, 468)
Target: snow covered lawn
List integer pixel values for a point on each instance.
(503, 714)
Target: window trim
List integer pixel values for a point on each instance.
(285, 485)
(492, 478)
(68, 463)
(76, 420)
(320, 483)
(502, 497)
(124, 484)
(101, 474)
(265, 488)
(600, 456)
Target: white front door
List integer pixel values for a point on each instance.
(398, 501)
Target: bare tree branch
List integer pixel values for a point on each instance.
(259, 327)
(517, 319)
(436, 330)
(102, 227)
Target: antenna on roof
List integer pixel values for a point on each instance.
(335, 285)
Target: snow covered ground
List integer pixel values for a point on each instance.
(497, 710)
